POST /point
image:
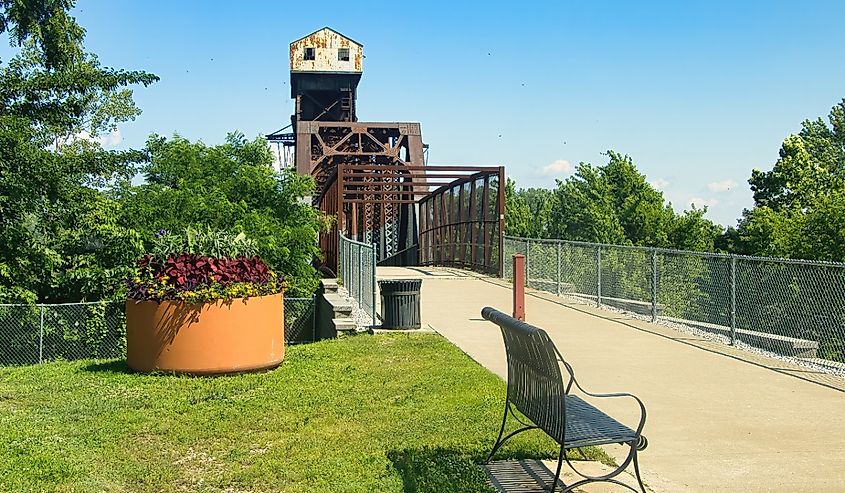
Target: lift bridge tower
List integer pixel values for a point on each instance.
(374, 196)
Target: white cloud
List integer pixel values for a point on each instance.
(558, 168)
(107, 140)
(721, 186)
(659, 183)
(111, 139)
(700, 202)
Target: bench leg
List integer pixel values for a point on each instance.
(501, 432)
(609, 478)
(500, 441)
(557, 473)
(637, 472)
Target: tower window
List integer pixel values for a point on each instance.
(309, 54)
(343, 54)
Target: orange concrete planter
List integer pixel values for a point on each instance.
(243, 334)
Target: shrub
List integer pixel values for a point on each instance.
(230, 187)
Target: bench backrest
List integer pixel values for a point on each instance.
(535, 385)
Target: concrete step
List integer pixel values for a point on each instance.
(342, 312)
(339, 304)
(421, 330)
(329, 285)
(345, 325)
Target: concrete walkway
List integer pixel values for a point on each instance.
(719, 419)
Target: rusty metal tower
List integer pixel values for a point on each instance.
(373, 176)
(326, 68)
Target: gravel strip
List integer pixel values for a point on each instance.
(362, 318)
(709, 336)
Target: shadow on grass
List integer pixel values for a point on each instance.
(118, 366)
(444, 469)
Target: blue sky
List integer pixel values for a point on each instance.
(698, 93)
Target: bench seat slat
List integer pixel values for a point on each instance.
(587, 425)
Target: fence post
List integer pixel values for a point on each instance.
(598, 275)
(342, 266)
(360, 273)
(350, 283)
(519, 287)
(41, 334)
(313, 318)
(375, 288)
(527, 262)
(733, 300)
(654, 285)
(558, 268)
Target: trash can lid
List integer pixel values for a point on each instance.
(403, 284)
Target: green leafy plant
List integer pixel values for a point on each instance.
(199, 267)
(208, 243)
(229, 187)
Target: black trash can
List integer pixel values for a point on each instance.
(400, 303)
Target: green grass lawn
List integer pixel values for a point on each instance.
(369, 413)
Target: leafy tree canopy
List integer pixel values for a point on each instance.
(46, 22)
(71, 223)
(607, 204)
(58, 237)
(229, 187)
(798, 208)
(518, 214)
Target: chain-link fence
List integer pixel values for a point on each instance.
(32, 334)
(792, 308)
(358, 273)
(36, 333)
(300, 320)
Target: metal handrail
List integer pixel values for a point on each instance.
(352, 273)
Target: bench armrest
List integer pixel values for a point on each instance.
(573, 380)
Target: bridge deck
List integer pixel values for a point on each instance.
(720, 419)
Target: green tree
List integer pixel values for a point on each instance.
(690, 230)
(46, 22)
(517, 213)
(640, 209)
(607, 204)
(230, 187)
(541, 202)
(585, 208)
(528, 211)
(54, 180)
(615, 204)
(797, 211)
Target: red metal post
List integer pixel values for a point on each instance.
(519, 286)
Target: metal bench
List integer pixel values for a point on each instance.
(537, 389)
